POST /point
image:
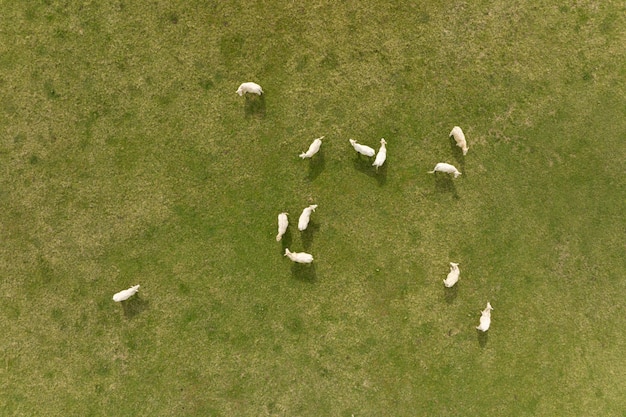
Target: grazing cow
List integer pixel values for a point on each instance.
(303, 221)
(447, 168)
(125, 294)
(382, 155)
(299, 257)
(485, 318)
(459, 138)
(249, 87)
(453, 275)
(313, 149)
(362, 149)
(283, 222)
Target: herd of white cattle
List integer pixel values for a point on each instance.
(303, 220)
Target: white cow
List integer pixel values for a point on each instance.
(453, 275)
(459, 138)
(283, 222)
(447, 168)
(249, 87)
(313, 149)
(303, 221)
(362, 149)
(299, 257)
(125, 294)
(485, 318)
(382, 155)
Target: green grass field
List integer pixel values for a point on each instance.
(127, 158)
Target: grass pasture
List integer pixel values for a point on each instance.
(126, 157)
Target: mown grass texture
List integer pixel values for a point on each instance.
(128, 158)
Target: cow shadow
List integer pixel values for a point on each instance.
(255, 105)
(449, 294)
(364, 165)
(286, 240)
(483, 338)
(134, 306)
(381, 175)
(304, 272)
(444, 184)
(307, 234)
(457, 154)
(316, 165)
